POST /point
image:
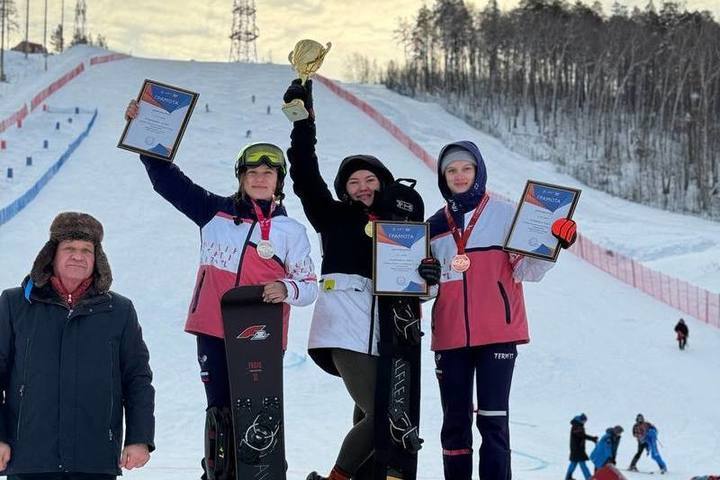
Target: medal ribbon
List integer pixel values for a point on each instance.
(264, 221)
(462, 241)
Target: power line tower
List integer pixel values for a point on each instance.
(80, 34)
(244, 32)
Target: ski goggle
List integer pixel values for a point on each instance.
(261, 154)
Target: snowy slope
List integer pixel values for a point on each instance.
(678, 245)
(598, 346)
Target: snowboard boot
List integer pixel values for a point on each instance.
(632, 468)
(315, 476)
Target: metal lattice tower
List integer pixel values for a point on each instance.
(244, 32)
(80, 12)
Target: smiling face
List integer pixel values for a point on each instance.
(460, 176)
(259, 183)
(74, 261)
(362, 185)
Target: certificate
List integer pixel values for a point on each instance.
(164, 112)
(398, 248)
(540, 205)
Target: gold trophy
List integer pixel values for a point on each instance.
(306, 58)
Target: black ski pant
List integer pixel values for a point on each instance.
(642, 446)
(491, 366)
(359, 373)
(213, 370)
(62, 476)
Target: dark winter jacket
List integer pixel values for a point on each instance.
(67, 376)
(578, 437)
(345, 313)
(681, 328)
(640, 429)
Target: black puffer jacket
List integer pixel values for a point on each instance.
(577, 441)
(67, 375)
(341, 223)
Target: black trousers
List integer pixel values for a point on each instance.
(62, 476)
(641, 448)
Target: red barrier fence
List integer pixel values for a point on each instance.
(108, 58)
(55, 86)
(688, 298)
(13, 119)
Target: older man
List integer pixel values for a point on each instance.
(72, 357)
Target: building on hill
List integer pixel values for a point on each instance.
(29, 47)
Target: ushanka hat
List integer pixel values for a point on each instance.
(73, 226)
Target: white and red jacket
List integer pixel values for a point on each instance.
(229, 233)
(483, 305)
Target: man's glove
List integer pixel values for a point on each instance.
(565, 230)
(593, 439)
(303, 92)
(429, 270)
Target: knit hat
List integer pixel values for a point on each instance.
(73, 226)
(455, 154)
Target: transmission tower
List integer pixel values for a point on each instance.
(80, 35)
(244, 32)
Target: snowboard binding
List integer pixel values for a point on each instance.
(261, 435)
(403, 432)
(218, 463)
(407, 324)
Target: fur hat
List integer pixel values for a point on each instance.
(73, 226)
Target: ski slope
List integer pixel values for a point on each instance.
(598, 346)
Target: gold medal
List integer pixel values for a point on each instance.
(460, 263)
(265, 249)
(369, 229)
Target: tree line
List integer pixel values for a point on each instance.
(628, 102)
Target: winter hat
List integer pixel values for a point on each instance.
(617, 430)
(352, 164)
(582, 417)
(73, 226)
(639, 418)
(455, 154)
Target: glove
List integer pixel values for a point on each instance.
(564, 230)
(303, 92)
(429, 270)
(594, 439)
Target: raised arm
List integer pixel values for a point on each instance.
(308, 183)
(174, 186)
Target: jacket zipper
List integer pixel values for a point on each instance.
(197, 292)
(112, 365)
(242, 254)
(465, 304)
(503, 293)
(21, 391)
(372, 325)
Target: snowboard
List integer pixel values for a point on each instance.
(253, 346)
(397, 396)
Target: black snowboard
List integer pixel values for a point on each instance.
(397, 400)
(253, 343)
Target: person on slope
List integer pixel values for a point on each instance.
(246, 239)
(344, 331)
(578, 455)
(646, 435)
(682, 332)
(605, 452)
(479, 313)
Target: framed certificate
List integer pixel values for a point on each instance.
(540, 205)
(164, 112)
(398, 248)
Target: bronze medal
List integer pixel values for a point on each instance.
(460, 263)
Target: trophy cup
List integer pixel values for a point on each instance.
(306, 58)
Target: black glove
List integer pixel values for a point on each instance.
(594, 439)
(429, 270)
(303, 92)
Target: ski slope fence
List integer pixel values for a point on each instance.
(688, 298)
(23, 200)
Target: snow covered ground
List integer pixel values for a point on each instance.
(598, 346)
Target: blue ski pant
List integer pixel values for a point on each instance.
(491, 368)
(573, 466)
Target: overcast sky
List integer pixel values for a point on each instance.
(184, 29)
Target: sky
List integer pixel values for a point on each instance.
(184, 29)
